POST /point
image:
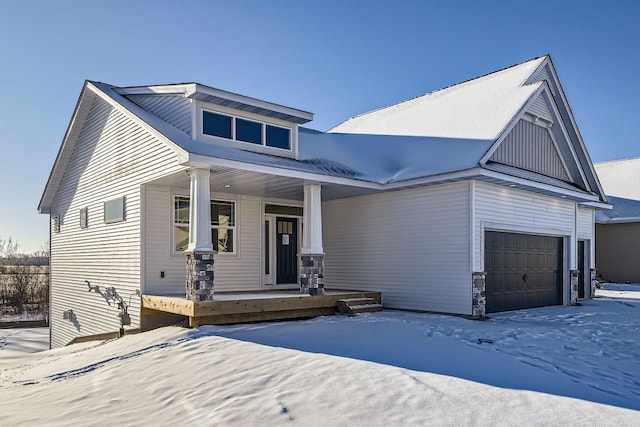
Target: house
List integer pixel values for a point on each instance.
(476, 198)
(618, 230)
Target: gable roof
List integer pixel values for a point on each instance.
(479, 109)
(620, 178)
(456, 129)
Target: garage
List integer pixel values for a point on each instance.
(523, 271)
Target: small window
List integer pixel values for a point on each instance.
(114, 210)
(55, 219)
(216, 124)
(223, 224)
(278, 137)
(84, 218)
(248, 131)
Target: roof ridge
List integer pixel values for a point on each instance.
(441, 89)
(618, 160)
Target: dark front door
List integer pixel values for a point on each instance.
(523, 271)
(581, 265)
(286, 250)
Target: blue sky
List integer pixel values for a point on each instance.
(333, 58)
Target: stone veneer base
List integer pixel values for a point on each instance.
(312, 274)
(199, 285)
(573, 289)
(479, 307)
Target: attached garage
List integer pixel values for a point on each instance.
(523, 271)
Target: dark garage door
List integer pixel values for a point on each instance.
(523, 271)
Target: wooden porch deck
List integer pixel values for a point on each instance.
(245, 307)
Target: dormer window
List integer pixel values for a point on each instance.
(245, 130)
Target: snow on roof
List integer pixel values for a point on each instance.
(480, 108)
(624, 210)
(620, 178)
(378, 157)
(374, 158)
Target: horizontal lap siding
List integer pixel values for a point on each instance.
(586, 222)
(111, 158)
(515, 210)
(412, 245)
(232, 272)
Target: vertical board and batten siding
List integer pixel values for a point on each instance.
(237, 272)
(540, 108)
(173, 109)
(412, 245)
(505, 209)
(618, 252)
(530, 147)
(112, 156)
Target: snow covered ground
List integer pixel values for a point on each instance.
(551, 366)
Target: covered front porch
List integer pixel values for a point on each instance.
(244, 307)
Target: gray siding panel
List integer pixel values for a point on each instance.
(618, 252)
(112, 157)
(173, 109)
(412, 245)
(540, 108)
(531, 147)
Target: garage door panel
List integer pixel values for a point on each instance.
(523, 271)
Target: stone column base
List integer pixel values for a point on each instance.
(479, 307)
(573, 287)
(199, 283)
(594, 283)
(312, 274)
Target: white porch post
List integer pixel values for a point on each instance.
(199, 252)
(199, 212)
(312, 254)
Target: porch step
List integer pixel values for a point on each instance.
(358, 305)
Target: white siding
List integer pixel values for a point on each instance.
(412, 245)
(173, 109)
(238, 272)
(506, 209)
(585, 223)
(112, 156)
(586, 231)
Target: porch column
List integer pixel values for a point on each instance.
(199, 252)
(312, 254)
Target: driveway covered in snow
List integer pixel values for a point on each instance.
(589, 352)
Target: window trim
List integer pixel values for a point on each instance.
(214, 199)
(198, 128)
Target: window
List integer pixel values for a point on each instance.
(248, 131)
(84, 218)
(114, 210)
(216, 124)
(244, 130)
(56, 223)
(223, 224)
(278, 137)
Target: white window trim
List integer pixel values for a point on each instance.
(249, 146)
(216, 198)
